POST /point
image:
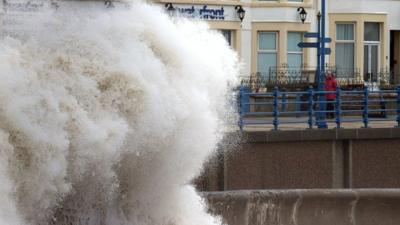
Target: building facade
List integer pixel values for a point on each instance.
(365, 36)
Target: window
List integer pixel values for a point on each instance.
(228, 36)
(371, 51)
(294, 53)
(345, 49)
(267, 52)
(371, 32)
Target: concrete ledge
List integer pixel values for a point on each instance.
(319, 135)
(307, 207)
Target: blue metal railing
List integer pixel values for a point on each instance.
(303, 107)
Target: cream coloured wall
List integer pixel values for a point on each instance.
(282, 28)
(278, 15)
(235, 26)
(202, 2)
(389, 7)
(281, 3)
(359, 19)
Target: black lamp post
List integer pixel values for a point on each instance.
(241, 12)
(54, 4)
(109, 3)
(302, 13)
(170, 8)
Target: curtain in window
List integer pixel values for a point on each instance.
(294, 54)
(267, 41)
(345, 59)
(294, 38)
(345, 32)
(228, 36)
(344, 50)
(265, 61)
(295, 61)
(371, 32)
(267, 54)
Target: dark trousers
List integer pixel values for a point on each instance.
(330, 106)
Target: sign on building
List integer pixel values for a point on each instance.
(205, 12)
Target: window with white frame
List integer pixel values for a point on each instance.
(228, 34)
(344, 50)
(371, 32)
(266, 52)
(371, 51)
(294, 53)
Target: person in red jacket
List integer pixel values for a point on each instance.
(330, 85)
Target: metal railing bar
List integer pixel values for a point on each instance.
(259, 103)
(294, 112)
(258, 114)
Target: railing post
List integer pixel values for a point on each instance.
(284, 100)
(398, 106)
(338, 107)
(298, 105)
(276, 109)
(244, 104)
(310, 106)
(365, 111)
(382, 105)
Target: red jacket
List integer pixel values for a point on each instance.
(330, 85)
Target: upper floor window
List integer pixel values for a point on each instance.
(267, 52)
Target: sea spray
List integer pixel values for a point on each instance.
(107, 114)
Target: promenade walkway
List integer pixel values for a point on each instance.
(265, 124)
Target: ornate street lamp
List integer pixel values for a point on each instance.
(302, 13)
(109, 3)
(241, 12)
(170, 8)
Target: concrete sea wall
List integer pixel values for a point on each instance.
(306, 159)
(307, 207)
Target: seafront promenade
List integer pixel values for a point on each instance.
(265, 124)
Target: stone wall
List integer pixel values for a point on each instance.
(307, 207)
(309, 159)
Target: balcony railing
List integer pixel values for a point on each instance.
(305, 109)
(302, 77)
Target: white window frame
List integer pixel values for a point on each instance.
(369, 44)
(230, 41)
(301, 53)
(258, 42)
(268, 51)
(374, 43)
(347, 41)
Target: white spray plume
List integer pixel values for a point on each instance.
(106, 116)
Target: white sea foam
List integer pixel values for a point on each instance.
(106, 115)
